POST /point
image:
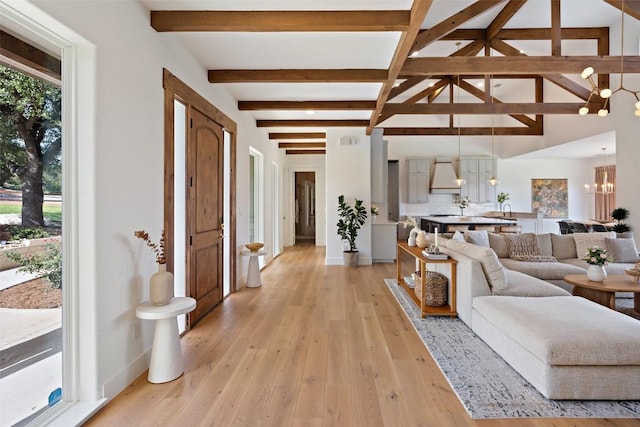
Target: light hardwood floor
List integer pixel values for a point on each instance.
(315, 346)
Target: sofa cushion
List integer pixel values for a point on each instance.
(544, 240)
(563, 246)
(458, 236)
(477, 237)
(622, 250)
(523, 285)
(586, 240)
(498, 243)
(565, 330)
(525, 247)
(543, 270)
(493, 270)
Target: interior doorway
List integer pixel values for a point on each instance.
(393, 191)
(305, 208)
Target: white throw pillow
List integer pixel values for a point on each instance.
(477, 237)
(586, 240)
(622, 250)
(458, 236)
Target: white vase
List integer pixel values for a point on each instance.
(596, 273)
(161, 286)
(412, 238)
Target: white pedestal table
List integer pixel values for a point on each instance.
(166, 353)
(253, 274)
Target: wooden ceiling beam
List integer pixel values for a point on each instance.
(631, 7)
(278, 21)
(556, 29)
(450, 24)
(297, 76)
(418, 96)
(472, 131)
(558, 79)
(298, 152)
(305, 105)
(503, 17)
(590, 33)
(484, 108)
(297, 135)
(419, 11)
(311, 123)
(30, 56)
(302, 145)
(518, 65)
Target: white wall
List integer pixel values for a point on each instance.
(127, 169)
(348, 174)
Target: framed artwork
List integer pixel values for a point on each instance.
(551, 197)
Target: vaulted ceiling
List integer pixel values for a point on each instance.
(410, 67)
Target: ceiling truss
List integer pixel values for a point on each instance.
(472, 60)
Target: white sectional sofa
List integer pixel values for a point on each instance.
(565, 346)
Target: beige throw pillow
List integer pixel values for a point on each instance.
(498, 243)
(564, 247)
(493, 269)
(586, 240)
(525, 247)
(622, 250)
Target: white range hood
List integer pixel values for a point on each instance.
(444, 177)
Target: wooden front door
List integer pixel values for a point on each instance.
(205, 179)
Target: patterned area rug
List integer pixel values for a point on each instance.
(486, 385)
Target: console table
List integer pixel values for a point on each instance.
(166, 353)
(403, 248)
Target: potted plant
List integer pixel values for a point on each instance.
(621, 228)
(351, 218)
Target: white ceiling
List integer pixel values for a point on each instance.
(339, 50)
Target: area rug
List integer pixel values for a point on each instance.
(487, 386)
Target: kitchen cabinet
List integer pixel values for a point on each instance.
(379, 170)
(476, 171)
(418, 179)
(384, 236)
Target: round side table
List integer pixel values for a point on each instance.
(253, 274)
(166, 353)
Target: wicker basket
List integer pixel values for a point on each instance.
(436, 289)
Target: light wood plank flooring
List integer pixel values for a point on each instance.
(315, 346)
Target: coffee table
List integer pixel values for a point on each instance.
(605, 292)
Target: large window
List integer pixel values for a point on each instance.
(605, 187)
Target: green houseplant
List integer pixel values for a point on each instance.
(620, 214)
(351, 218)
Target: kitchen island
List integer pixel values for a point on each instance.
(449, 224)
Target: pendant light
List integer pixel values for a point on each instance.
(459, 181)
(493, 180)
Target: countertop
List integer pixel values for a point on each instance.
(456, 219)
(510, 215)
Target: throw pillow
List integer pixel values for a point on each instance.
(544, 240)
(498, 243)
(564, 247)
(458, 236)
(622, 250)
(586, 240)
(491, 266)
(525, 247)
(477, 237)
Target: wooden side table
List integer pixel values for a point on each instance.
(253, 273)
(166, 353)
(445, 310)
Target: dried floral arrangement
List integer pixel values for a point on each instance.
(157, 249)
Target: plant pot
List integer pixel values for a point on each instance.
(596, 273)
(350, 258)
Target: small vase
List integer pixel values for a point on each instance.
(421, 240)
(412, 238)
(461, 211)
(161, 286)
(596, 273)
(374, 217)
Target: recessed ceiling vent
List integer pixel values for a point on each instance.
(444, 177)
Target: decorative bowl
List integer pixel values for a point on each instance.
(254, 246)
(634, 273)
